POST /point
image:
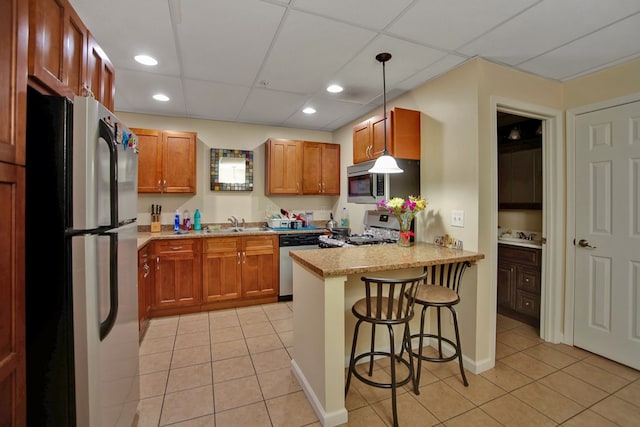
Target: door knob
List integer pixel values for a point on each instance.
(585, 244)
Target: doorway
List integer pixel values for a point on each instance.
(520, 217)
(552, 290)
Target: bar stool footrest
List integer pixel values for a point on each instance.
(366, 380)
(436, 359)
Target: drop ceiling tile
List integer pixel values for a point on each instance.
(546, 26)
(226, 40)
(450, 24)
(592, 52)
(271, 107)
(327, 111)
(309, 50)
(214, 100)
(374, 14)
(144, 29)
(445, 64)
(138, 88)
(362, 76)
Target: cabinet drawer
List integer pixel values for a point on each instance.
(176, 246)
(528, 303)
(221, 244)
(520, 255)
(528, 280)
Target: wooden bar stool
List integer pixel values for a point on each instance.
(440, 292)
(387, 302)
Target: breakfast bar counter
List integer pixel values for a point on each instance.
(326, 283)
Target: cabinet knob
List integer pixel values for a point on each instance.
(238, 258)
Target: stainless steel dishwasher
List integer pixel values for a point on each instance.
(292, 242)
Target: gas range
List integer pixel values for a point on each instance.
(379, 228)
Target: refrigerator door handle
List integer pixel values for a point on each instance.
(106, 133)
(107, 324)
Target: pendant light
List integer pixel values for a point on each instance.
(385, 163)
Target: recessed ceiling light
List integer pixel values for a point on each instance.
(161, 97)
(334, 89)
(309, 110)
(145, 60)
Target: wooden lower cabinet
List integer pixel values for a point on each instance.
(12, 296)
(240, 271)
(145, 287)
(519, 283)
(221, 269)
(177, 283)
(178, 276)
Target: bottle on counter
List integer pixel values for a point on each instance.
(186, 220)
(196, 220)
(344, 220)
(176, 221)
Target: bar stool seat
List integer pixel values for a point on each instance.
(440, 292)
(387, 302)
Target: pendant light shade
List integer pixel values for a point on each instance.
(385, 163)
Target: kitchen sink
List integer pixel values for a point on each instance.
(238, 230)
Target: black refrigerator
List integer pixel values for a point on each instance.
(81, 264)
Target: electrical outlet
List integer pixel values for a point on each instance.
(457, 218)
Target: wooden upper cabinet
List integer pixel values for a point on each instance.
(14, 31)
(57, 46)
(403, 136)
(283, 167)
(166, 161)
(321, 168)
(100, 74)
(64, 58)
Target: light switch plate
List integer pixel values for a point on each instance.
(457, 218)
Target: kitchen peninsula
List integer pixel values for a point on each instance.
(326, 283)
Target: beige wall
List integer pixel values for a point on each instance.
(217, 206)
(611, 83)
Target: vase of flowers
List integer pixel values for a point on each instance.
(404, 211)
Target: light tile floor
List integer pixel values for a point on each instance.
(232, 368)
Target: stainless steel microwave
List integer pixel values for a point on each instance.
(366, 187)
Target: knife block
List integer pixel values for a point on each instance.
(155, 223)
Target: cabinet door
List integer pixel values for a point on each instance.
(100, 74)
(377, 136)
(331, 169)
(283, 166)
(179, 161)
(221, 269)
(405, 137)
(13, 80)
(149, 160)
(361, 142)
(145, 283)
(506, 286)
(177, 274)
(12, 304)
(260, 264)
(311, 167)
(57, 46)
(75, 52)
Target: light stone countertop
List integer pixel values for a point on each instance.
(146, 237)
(329, 262)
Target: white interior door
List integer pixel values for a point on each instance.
(607, 246)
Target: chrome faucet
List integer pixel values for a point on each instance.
(243, 223)
(234, 221)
